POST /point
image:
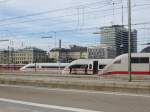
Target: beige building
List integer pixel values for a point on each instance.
(58, 53)
(30, 55)
(23, 56)
(67, 55)
(78, 54)
(4, 54)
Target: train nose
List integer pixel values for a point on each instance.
(100, 73)
(65, 70)
(22, 69)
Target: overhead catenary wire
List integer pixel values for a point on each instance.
(73, 30)
(88, 12)
(4, 1)
(52, 17)
(51, 11)
(69, 30)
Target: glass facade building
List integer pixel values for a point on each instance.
(117, 37)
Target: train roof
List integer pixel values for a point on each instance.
(48, 64)
(88, 61)
(45, 64)
(133, 55)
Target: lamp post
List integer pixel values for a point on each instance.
(129, 40)
(46, 37)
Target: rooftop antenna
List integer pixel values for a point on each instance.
(78, 13)
(83, 16)
(113, 4)
(113, 11)
(22, 44)
(122, 12)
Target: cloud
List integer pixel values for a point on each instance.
(73, 18)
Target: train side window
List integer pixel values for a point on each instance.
(83, 66)
(144, 60)
(140, 60)
(134, 60)
(117, 62)
(52, 67)
(90, 66)
(78, 66)
(101, 66)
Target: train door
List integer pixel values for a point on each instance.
(95, 67)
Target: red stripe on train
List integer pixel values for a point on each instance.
(126, 73)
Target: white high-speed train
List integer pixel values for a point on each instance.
(140, 65)
(45, 67)
(86, 66)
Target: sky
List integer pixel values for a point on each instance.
(25, 22)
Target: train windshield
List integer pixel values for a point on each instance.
(31, 67)
(101, 66)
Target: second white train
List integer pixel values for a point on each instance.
(140, 65)
(86, 66)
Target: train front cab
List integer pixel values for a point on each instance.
(140, 65)
(88, 67)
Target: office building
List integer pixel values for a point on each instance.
(117, 37)
(101, 52)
